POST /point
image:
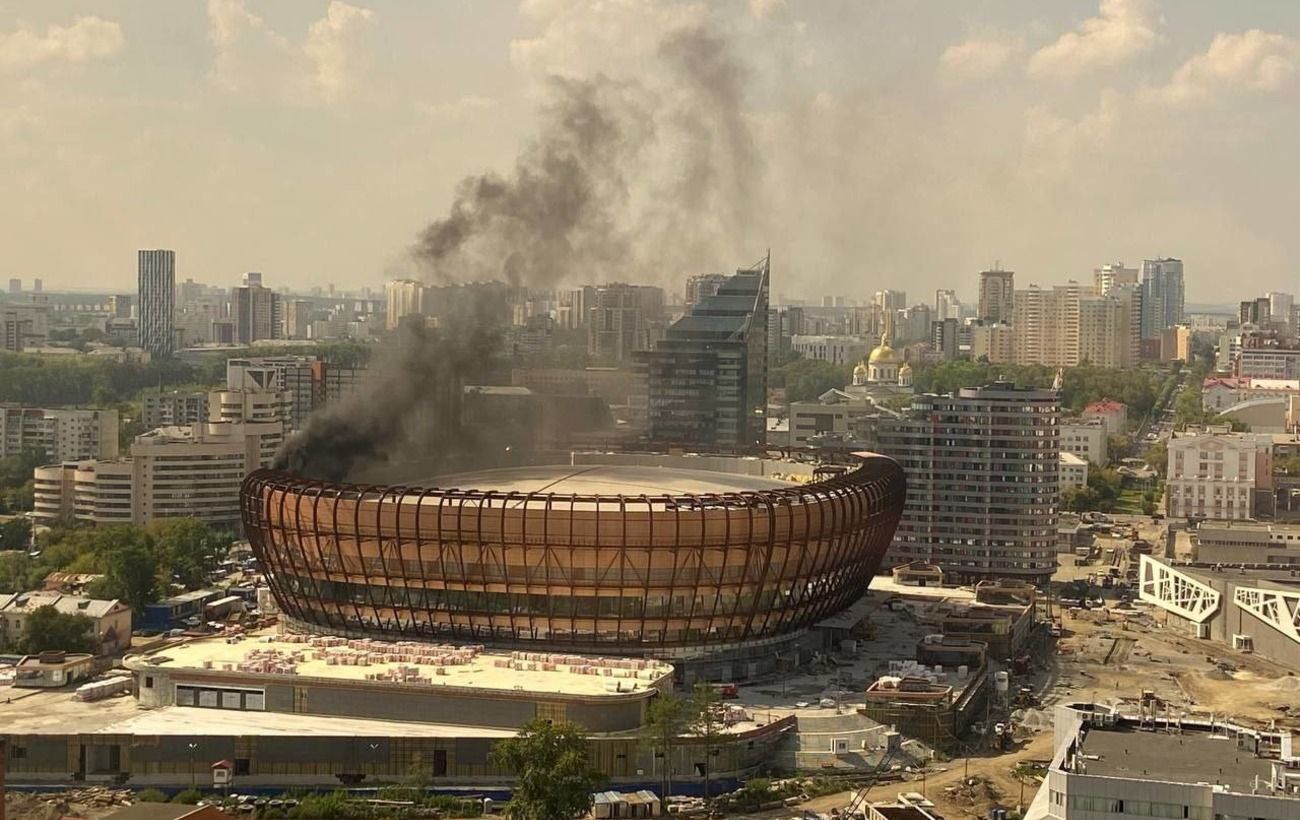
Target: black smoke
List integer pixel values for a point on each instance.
(625, 180)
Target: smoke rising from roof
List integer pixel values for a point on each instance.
(626, 179)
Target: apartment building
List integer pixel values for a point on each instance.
(1216, 473)
(309, 382)
(983, 471)
(1086, 438)
(1114, 414)
(1074, 471)
(175, 407)
(62, 434)
(110, 620)
(173, 472)
(994, 343)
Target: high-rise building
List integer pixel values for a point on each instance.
(256, 312)
(157, 301)
(983, 482)
(994, 343)
(309, 382)
(944, 337)
(623, 319)
(192, 471)
(1162, 296)
(15, 286)
(297, 318)
(119, 307)
(1257, 312)
(173, 408)
(707, 378)
(189, 291)
(61, 434)
(997, 295)
(946, 305)
(1046, 323)
(38, 285)
(890, 299)
(1109, 276)
(1281, 307)
(705, 284)
(405, 297)
(23, 326)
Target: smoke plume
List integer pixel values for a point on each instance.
(626, 179)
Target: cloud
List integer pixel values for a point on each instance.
(1250, 61)
(1055, 145)
(251, 57)
(763, 9)
(458, 109)
(329, 47)
(88, 38)
(980, 57)
(1121, 30)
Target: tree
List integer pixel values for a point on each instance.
(666, 718)
(706, 723)
(554, 776)
(15, 534)
(188, 550)
(47, 629)
(1157, 456)
(806, 379)
(130, 567)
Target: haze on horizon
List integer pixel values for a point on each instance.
(900, 145)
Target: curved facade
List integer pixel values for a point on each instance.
(652, 574)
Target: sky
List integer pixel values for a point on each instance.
(869, 145)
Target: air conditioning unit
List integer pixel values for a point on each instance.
(1243, 643)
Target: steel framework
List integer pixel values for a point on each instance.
(605, 573)
(1175, 591)
(1278, 608)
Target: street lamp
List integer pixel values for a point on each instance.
(193, 747)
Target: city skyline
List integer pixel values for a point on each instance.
(1055, 138)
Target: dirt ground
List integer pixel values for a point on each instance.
(90, 804)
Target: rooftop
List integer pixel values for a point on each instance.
(65, 604)
(270, 655)
(1173, 758)
(606, 480)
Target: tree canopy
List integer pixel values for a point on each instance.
(47, 629)
(554, 776)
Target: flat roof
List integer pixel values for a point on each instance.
(482, 672)
(1179, 758)
(604, 479)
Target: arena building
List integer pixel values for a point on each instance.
(723, 573)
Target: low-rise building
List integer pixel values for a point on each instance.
(1247, 542)
(833, 349)
(1074, 471)
(1086, 438)
(1148, 763)
(1113, 413)
(1216, 473)
(110, 620)
(51, 670)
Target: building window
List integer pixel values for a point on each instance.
(148, 681)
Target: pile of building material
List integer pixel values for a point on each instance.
(100, 689)
(271, 661)
(337, 651)
(581, 665)
(935, 674)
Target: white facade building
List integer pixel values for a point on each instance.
(1086, 438)
(1214, 473)
(833, 349)
(1074, 471)
(61, 434)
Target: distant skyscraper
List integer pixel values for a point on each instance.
(256, 313)
(891, 299)
(15, 286)
(38, 285)
(157, 300)
(252, 278)
(946, 305)
(1109, 276)
(405, 297)
(1281, 309)
(707, 378)
(997, 295)
(1162, 296)
(623, 319)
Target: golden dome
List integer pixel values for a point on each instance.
(861, 369)
(906, 368)
(884, 354)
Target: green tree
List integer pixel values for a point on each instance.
(554, 776)
(1157, 456)
(188, 550)
(706, 723)
(15, 534)
(130, 566)
(47, 629)
(666, 718)
(806, 379)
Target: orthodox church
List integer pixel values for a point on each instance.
(884, 372)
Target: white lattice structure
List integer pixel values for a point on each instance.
(1176, 592)
(1279, 609)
